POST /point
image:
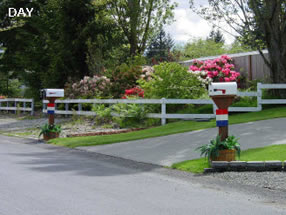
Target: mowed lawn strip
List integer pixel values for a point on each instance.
(171, 128)
(275, 152)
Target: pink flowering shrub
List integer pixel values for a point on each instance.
(217, 70)
(89, 87)
(147, 72)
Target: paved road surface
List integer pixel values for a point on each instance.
(170, 149)
(40, 179)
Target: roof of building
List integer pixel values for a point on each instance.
(230, 55)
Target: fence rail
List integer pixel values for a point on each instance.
(163, 102)
(15, 104)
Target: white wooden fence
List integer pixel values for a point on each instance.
(164, 102)
(15, 105)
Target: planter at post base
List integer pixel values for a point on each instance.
(225, 155)
(51, 135)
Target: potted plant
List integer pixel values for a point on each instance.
(50, 131)
(218, 150)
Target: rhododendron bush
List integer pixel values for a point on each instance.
(217, 70)
(134, 93)
(89, 87)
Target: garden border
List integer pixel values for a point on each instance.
(258, 166)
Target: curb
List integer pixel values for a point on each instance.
(257, 166)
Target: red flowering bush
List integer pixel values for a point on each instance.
(133, 92)
(2, 97)
(217, 70)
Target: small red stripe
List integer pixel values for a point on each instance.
(221, 111)
(51, 104)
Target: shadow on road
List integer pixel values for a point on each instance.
(48, 158)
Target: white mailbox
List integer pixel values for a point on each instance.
(48, 93)
(223, 88)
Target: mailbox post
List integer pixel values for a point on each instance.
(223, 95)
(52, 95)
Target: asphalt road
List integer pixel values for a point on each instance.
(171, 149)
(40, 179)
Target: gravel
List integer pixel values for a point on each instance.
(17, 126)
(267, 180)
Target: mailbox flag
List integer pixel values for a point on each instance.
(51, 108)
(221, 117)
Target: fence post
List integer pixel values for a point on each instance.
(44, 106)
(7, 106)
(24, 106)
(163, 111)
(66, 108)
(214, 108)
(15, 103)
(259, 96)
(79, 107)
(32, 107)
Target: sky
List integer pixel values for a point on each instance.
(188, 25)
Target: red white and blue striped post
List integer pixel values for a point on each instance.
(222, 123)
(221, 117)
(51, 110)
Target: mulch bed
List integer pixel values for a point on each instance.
(104, 132)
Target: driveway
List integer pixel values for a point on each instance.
(40, 179)
(170, 149)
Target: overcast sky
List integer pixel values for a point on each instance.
(189, 25)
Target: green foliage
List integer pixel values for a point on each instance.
(202, 48)
(245, 102)
(160, 48)
(127, 115)
(51, 46)
(268, 153)
(103, 114)
(125, 76)
(171, 80)
(216, 36)
(10, 88)
(46, 129)
(140, 19)
(211, 150)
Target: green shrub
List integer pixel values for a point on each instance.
(171, 80)
(103, 114)
(125, 76)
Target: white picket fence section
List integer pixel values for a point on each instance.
(15, 105)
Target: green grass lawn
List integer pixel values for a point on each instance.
(171, 128)
(275, 152)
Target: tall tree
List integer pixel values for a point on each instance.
(216, 36)
(141, 19)
(50, 46)
(260, 23)
(160, 46)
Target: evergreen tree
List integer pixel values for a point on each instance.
(160, 46)
(216, 36)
